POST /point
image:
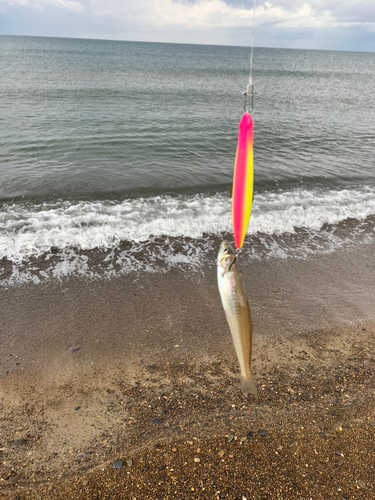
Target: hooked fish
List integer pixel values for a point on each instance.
(236, 307)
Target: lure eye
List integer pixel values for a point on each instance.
(225, 250)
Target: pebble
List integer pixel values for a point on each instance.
(18, 442)
(156, 421)
(243, 439)
(346, 496)
(290, 442)
(230, 438)
(338, 452)
(85, 482)
(74, 348)
(250, 434)
(130, 463)
(262, 432)
(77, 408)
(361, 483)
(117, 464)
(197, 459)
(221, 453)
(340, 462)
(234, 412)
(372, 422)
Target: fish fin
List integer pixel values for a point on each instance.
(248, 386)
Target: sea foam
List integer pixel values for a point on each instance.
(283, 223)
(31, 230)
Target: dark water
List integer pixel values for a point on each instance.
(106, 142)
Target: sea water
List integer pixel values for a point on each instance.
(117, 157)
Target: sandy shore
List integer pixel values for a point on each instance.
(143, 371)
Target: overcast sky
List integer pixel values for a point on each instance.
(317, 24)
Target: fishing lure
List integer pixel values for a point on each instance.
(242, 194)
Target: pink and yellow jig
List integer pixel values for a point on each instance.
(242, 195)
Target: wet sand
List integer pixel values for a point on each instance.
(87, 367)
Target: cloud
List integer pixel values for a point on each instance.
(166, 13)
(208, 14)
(206, 21)
(71, 5)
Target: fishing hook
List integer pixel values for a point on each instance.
(236, 254)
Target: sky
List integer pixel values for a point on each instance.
(316, 24)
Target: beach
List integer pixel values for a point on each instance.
(142, 369)
(118, 375)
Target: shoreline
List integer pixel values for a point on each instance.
(99, 361)
(140, 314)
(162, 254)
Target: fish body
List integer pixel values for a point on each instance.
(236, 307)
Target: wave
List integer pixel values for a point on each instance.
(28, 230)
(100, 240)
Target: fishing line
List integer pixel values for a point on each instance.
(252, 46)
(249, 92)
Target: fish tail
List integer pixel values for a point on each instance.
(248, 386)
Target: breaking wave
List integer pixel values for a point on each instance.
(283, 223)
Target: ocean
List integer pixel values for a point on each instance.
(117, 157)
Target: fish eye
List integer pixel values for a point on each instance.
(225, 250)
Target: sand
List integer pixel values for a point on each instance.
(142, 370)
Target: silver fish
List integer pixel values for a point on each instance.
(236, 307)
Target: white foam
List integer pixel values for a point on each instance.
(33, 230)
(278, 213)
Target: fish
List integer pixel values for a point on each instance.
(237, 311)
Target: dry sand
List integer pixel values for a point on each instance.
(154, 383)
